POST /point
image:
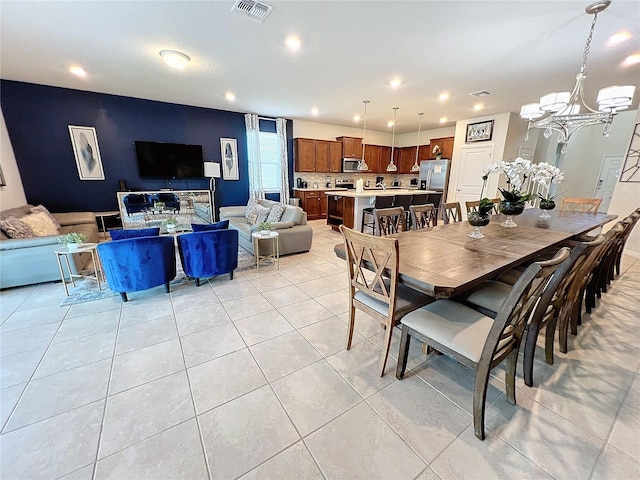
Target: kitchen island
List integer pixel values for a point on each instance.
(345, 207)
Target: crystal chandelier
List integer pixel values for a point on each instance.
(560, 111)
(415, 168)
(362, 165)
(392, 166)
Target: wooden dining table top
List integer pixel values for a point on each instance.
(443, 262)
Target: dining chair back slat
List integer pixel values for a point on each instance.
(585, 205)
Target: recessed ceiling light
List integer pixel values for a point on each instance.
(444, 96)
(315, 111)
(174, 58)
(356, 118)
(390, 123)
(617, 38)
(478, 106)
(395, 83)
(293, 42)
(79, 71)
(631, 60)
(443, 119)
(230, 96)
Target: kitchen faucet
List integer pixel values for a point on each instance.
(381, 184)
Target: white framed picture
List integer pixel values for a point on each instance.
(87, 153)
(229, 153)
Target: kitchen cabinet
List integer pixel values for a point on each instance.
(317, 155)
(407, 159)
(446, 144)
(314, 202)
(351, 147)
(323, 204)
(372, 157)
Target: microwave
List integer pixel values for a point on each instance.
(350, 164)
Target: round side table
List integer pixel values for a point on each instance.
(64, 252)
(275, 249)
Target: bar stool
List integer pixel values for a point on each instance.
(403, 201)
(419, 199)
(380, 202)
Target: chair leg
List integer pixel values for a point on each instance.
(231, 275)
(563, 327)
(167, 287)
(387, 345)
(403, 353)
(510, 376)
(529, 354)
(197, 282)
(352, 322)
(123, 295)
(479, 399)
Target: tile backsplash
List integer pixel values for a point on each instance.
(321, 179)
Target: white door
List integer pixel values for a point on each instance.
(607, 179)
(469, 184)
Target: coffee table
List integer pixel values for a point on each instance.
(64, 252)
(275, 249)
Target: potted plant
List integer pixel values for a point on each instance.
(171, 224)
(265, 228)
(437, 150)
(72, 240)
(547, 175)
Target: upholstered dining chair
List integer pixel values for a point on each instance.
(377, 292)
(209, 253)
(451, 212)
(473, 206)
(423, 216)
(476, 340)
(585, 205)
(138, 263)
(368, 218)
(390, 220)
(635, 215)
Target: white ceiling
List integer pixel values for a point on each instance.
(350, 51)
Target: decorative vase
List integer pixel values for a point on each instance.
(546, 205)
(477, 220)
(171, 228)
(510, 209)
(73, 246)
(265, 233)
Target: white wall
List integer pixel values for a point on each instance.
(13, 194)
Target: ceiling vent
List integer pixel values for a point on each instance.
(481, 93)
(256, 11)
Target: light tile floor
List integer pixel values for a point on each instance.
(249, 378)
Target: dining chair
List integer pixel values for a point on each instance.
(390, 220)
(476, 340)
(378, 294)
(585, 205)
(404, 201)
(473, 206)
(423, 216)
(451, 212)
(635, 215)
(380, 202)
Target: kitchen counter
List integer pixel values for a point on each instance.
(320, 189)
(372, 193)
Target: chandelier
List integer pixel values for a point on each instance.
(415, 168)
(561, 111)
(362, 165)
(392, 166)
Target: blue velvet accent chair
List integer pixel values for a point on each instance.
(133, 233)
(135, 203)
(209, 253)
(140, 263)
(171, 201)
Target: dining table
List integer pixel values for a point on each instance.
(443, 261)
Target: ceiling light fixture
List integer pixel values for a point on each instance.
(415, 168)
(174, 58)
(356, 118)
(443, 119)
(478, 106)
(617, 38)
(293, 42)
(631, 60)
(390, 123)
(444, 96)
(315, 111)
(392, 166)
(362, 165)
(230, 96)
(560, 111)
(79, 71)
(395, 83)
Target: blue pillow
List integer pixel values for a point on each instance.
(199, 227)
(141, 232)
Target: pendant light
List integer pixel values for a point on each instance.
(392, 166)
(416, 168)
(362, 165)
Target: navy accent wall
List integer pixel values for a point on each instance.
(37, 119)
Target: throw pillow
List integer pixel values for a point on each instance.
(251, 207)
(252, 218)
(276, 213)
(199, 227)
(15, 228)
(43, 209)
(292, 214)
(262, 212)
(41, 224)
(140, 232)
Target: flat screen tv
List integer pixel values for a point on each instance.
(169, 160)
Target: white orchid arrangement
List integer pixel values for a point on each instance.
(437, 151)
(547, 175)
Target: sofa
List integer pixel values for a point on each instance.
(24, 261)
(295, 235)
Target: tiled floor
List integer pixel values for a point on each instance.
(249, 378)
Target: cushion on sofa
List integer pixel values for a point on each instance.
(41, 224)
(262, 214)
(292, 214)
(276, 212)
(15, 228)
(199, 227)
(43, 209)
(140, 232)
(251, 207)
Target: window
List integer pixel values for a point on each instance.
(270, 162)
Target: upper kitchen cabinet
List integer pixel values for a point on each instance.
(407, 159)
(317, 155)
(372, 157)
(351, 147)
(446, 144)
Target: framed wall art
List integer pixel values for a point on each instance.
(229, 153)
(87, 153)
(479, 132)
(3, 183)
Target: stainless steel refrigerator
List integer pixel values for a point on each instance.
(434, 175)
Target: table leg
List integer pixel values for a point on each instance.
(66, 257)
(95, 269)
(256, 251)
(277, 249)
(64, 281)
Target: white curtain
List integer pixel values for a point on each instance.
(281, 130)
(253, 148)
